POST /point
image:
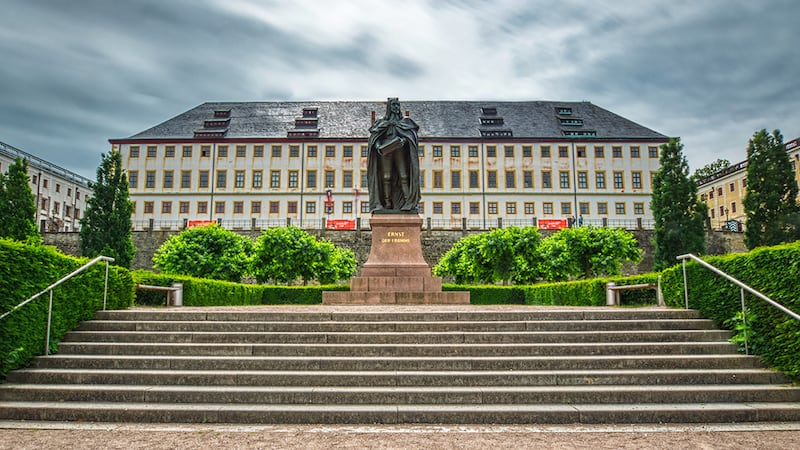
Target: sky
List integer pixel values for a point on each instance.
(74, 74)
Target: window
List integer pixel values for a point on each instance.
(421, 178)
(527, 151)
(566, 208)
(563, 151)
(491, 179)
(602, 208)
(255, 207)
(529, 208)
(294, 151)
(58, 187)
(721, 210)
(166, 207)
(347, 207)
(455, 151)
(241, 151)
(619, 182)
(205, 151)
(583, 180)
(545, 150)
(719, 191)
(150, 180)
(581, 151)
(473, 179)
(274, 178)
(733, 207)
(365, 180)
(169, 151)
(148, 207)
(511, 179)
(167, 181)
(311, 152)
(347, 152)
(547, 208)
(258, 179)
(330, 151)
(491, 151)
(527, 178)
(186, 178)
(293, 174)
(711, 193)
(274, 207)
(151, 151)
(635, 152)
(455, 208)
(365, 152)
(438, 179)
(616, 152)
(473, 151)
(239, 178)
(45, 183)
(311, 179)
(437, 207)
(509, 151)
(600, 180)
(619, 208)
(291, 207)
(584, 208)
(547, 180)
(638, 208)
(636, 180)
(258, 151)
(437, 151)
(203, 183)
(365, 207)
(511, 207)
(599, 152)
(563, 179)
(202, 207)
(455, 179)
(492, 207)
(652, 152)
(133, 179)
(311, 207)
(134, 151)
(732, 187)
(219, 207)
(330, 179)
(474, 208)
(347, 179)
(276, 151)
(183, 208)
(222, 178)
(222, 152)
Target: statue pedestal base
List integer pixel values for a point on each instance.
(395, 271)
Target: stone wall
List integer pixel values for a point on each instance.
(434, 244)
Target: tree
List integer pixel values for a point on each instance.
(679, 216)
(585, 252)
(106, 225)
(710, 169)
(17, 204)
(206, 252)
(771, 197)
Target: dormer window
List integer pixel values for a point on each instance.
(489, 111)
(564, 111)
(305, 122)
(310, 112)
(579, 133)
(571, 122)
(215, 123)
(496, 133)
(222, 113)
(491, 121)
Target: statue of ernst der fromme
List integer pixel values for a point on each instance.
(393, 163)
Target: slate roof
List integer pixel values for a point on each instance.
(437, 119)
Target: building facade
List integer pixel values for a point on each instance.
(482, 165)
(61, 195)
(724, 191)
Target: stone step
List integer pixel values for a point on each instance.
(400, 395)
(396, 378)
(394, 350)
(378, 363)
(408, 326)
(401, 337)
(392, 414)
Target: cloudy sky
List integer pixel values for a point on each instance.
(75, 73)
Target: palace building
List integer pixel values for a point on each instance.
(483, 164)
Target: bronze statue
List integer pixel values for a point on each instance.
(393, 163)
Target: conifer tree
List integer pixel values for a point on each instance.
(106, 226)
(17, 204)
(771, 196)
(679, 216)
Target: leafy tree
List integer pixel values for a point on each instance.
(207, 252)
(771, 197)
(586, 252)
(106, 225)
(710, 169)
(679, 216)
(17, 204)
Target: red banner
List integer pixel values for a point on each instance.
(198, 223)
(341, 224)
(552, 224)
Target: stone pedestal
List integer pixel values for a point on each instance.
(395, 271)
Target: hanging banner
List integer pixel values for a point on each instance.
(198, 223)
(552, 224)
(340, 224)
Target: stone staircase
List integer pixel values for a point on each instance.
(430, 364)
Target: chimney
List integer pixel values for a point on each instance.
(373, 118)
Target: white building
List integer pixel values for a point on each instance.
(483, 164)
(61, 195)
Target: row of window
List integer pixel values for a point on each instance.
(274, 207)
(69, 210)
(46, 184)
(510, 179)
(723, 211)
(472, 151)
(718, 190)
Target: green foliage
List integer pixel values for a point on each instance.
(771, 197)
(490, 295)
(205, 252)
(285, 254)
(679, 216)
(27, 270)
(773, 271)
(710, 169)
(18, 204)
(586, 252)
(106, 225)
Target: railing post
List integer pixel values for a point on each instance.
(105, 288)
(685, 285)
(49, 321)
(744, 321)
(611, 297)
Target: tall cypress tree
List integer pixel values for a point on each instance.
(17, 204)
(106, 226)
(771, 197)
(679, 216)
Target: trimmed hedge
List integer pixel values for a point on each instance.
(27, 270)
(773, 271)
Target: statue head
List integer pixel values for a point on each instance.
(393, 108)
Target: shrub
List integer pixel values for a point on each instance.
(209, 252)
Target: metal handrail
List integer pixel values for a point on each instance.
(50, 288)
(742, 287)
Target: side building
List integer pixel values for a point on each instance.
(61, 195)
(483, 164)
(724, 191)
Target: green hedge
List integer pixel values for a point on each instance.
(773, 271)
(27, 270)
(206, 292)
